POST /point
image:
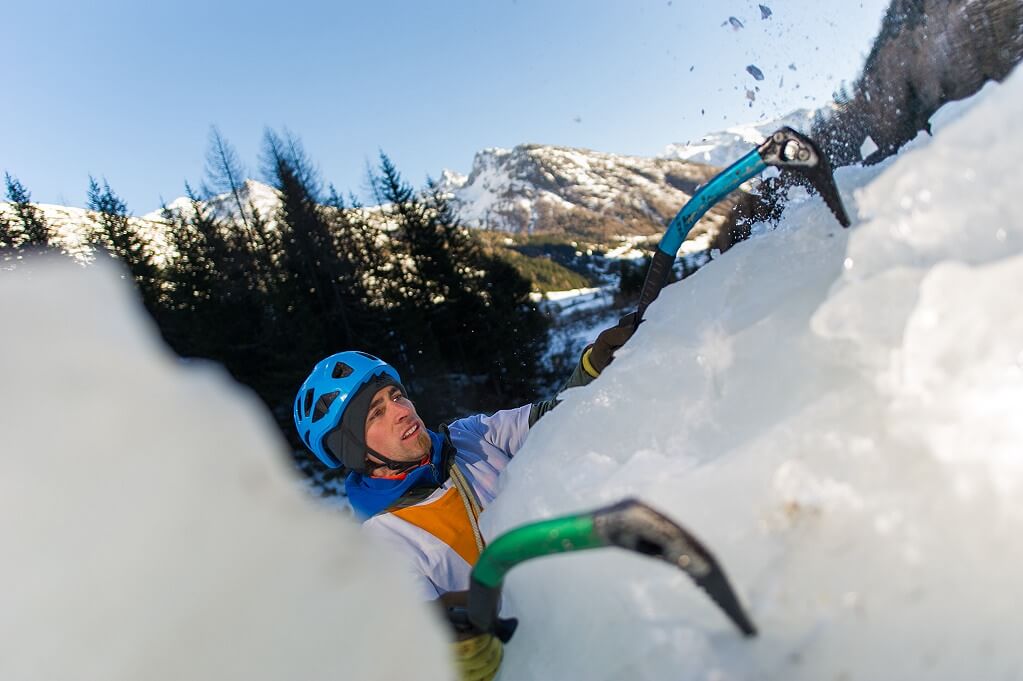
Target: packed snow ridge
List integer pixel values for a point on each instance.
(834, 412)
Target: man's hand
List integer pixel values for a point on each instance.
(597, 356)
(477, 655)
(478, 658)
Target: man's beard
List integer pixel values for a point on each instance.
(423, 441)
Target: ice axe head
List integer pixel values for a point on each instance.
(796, 154)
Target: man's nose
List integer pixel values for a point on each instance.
(402, 410)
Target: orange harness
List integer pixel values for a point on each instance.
(453, 519)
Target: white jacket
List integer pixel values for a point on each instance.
(435, 535)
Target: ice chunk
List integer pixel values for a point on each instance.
(868, 147)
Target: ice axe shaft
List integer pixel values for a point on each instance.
(785, 149)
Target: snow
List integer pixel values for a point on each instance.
(834, 412)
(151, 527)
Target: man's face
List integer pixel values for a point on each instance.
(393, 427)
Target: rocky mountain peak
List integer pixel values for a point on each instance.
(541, 188)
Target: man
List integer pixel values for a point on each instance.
(421, 490)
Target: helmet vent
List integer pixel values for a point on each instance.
(307, 403)
(367, 355)
(323, 405)
(341, 370)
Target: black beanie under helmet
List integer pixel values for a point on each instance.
(350, 436)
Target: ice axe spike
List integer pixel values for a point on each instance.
(797, 154)
(785, 149)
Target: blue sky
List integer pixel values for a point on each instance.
(128, 90)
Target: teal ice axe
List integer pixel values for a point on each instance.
(787, 150)
(629, 524)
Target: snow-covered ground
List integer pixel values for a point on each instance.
(834, 412)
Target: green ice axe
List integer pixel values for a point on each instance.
(630, 525)
(785, 149)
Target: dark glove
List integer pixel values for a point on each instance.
(597, 356)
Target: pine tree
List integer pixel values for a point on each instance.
(417, 294)
(265, 246)
(194, 274)
(321, 293)
(247, 237)
(465, 317)
(225, 173)
(112, 229)
(7, 233)
(35, 233)
(504, 333)
(365, 269)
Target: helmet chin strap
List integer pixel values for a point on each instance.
(391, 464)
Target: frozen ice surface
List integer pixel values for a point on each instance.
(836, 414)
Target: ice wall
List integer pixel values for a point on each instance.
(837, 413)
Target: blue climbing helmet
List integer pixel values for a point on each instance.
(331, 406)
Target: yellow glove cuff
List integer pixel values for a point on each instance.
(478, 658)
(585, 361)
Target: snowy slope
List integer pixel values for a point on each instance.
(72, 227)
(724, 147)
(836, 413)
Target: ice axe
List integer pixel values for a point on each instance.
(629, 524)
(786, 149)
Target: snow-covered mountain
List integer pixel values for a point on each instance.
(251, 195)
(724, 147)
(537, 188)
